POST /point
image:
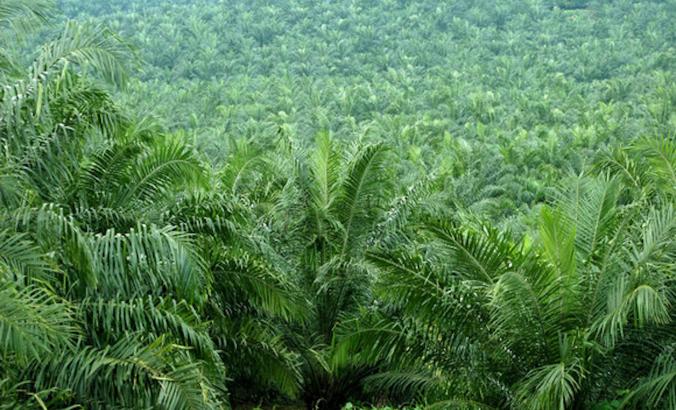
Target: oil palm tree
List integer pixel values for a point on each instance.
(475, 318)
(100, 307)
(314, 231)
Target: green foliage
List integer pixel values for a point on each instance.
(484, 220)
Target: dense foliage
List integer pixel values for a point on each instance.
(463, 204)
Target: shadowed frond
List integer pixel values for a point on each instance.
(129, 373)
(22, 261)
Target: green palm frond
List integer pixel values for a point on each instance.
(660, 156)
(51, 228)
(258, 352)
(550, 387)
(208, 214)
(361, 193)
(622, 165)
(129, 373)
(188, 386)
(477, 257)
(263, 287)
(33, 323)
(591, 206)
(325, 166)
(150, 260)
(414, 383)
(658, 389)
(163, 166)
(87, 48)
(108, 318)
(21, 260)
(642, 292)
(558, 242)
(11, 188)
(21, 15)
(657, 247)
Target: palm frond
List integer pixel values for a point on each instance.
(476, 256)
(362, 191)
(21, 261)
(325, 169)
(550, 387)
(165, 165)
(658, 389)
(33, 323)
(591, 206)
(21, 15)
(129, 373)
(262, 285)
(150, 260)
(660, 155)
(88, 48)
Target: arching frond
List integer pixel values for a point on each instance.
(88, 48)
(261, 285)
(51, 228)
(106, 319)
(591, 206)
(660, 155)
(325, 163)
(163, 166)
(21, 14)
(476, 257)
(33, 323)
(21, 260)
(658, 389)
(129, 373)
(361, 192)
(150, 260)
(551, 387)
(258, 353)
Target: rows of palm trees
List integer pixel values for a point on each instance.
(133, 274)
(497, 100)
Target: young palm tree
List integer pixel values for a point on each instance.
(314, 232)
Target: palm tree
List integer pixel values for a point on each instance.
(102, 304)
(314, 232)
(477, 318)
